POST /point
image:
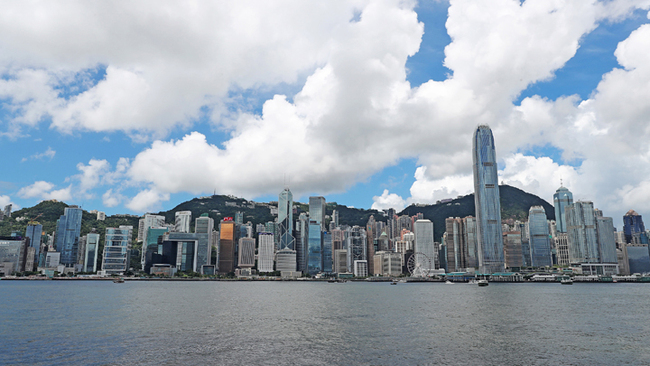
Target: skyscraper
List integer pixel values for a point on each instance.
(266, 252)
(92, 245)
(246, 252)
(540, 242)
(315, 248)
(561, 199)
(183, 219)
(581, 233)
(145, 223)
(285, 219)
(487, 202)
(204, 227)
(424, 243)
(228, 236)
(68, 231)
(34, 232)
(634, 229)
(117, 247)
(317, 207)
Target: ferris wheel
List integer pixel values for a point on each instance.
(419, 265)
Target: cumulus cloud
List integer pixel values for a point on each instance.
(355, 113)
(388, 200)
(45, 191)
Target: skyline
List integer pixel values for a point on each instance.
(369, 104)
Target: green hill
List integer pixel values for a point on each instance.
(515, 204)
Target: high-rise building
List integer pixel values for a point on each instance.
(512, 249)
(606, 239)
(204, 228)
(328, 262)
(387, 263)
(487, 202)
(356, 240)
(562, 249)
(301, 236)
(581, 233)
(228, 237)
(183, 220)
(117, 247)
(315, 248)
(469, 237)
(360, 268)
(634, 229)
(266, 252)
(7, 211)
(145, 223)
(455, 243)
(317, 207)
(285, 260)
(285, 220)
(34, 232)
(92, 246)
(13, 254)
(561, 199)
(539, 238)
(424, 243)
(246, 252)
(340, 261)
(371, 228)
(68, 231)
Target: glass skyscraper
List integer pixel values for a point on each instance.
(285, 219)
(561, 199)
(117, 248)
(540, 242)
(317, 208)
(634, 229)
(581, 233)
(315, 248)
(487, 202)
(68, 231)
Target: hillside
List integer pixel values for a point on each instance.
(514, 205)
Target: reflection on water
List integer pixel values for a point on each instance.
(293, 323)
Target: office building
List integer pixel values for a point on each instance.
(638, 258)
(340, 261)
(183, 220)
(424, 244)
(561, 199)
(315, 248)
(581, 233)
(145, 223)
(227, 240)
(68, 231)
(328, 262)
(360, 268)
(487, 202)
(356, 240)
(285, 220)
(117, 248)
(92, 247)
(512, 253)
(387, 263)
(34, 232)
(634, 229)
(301, 237)
(13, 254)
(606, 239)
(539, 238)
(371, 227)
(246, 253)
(265, 253)
(285, 260)
(562, 249)
(204, 229)
(317, 207)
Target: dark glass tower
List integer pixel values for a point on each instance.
(633, 227)
(561, 199)
(487, 202)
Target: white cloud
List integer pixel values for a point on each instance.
(91, 174)
(49, 153)
(388, 200)
(147, 200)
(111, 198)
(45, 191)
(6, 200)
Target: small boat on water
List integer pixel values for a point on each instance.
(118, 280)
(394, 283)
(566, 281)
(482, 283)
(448, 282)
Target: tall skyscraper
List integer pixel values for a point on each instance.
(634, 229)
(561, 199)
(203, 228)
(117, 248)
(487, 202)
(317, 207)
(68, 231)
(540, 242)
(469, 236)
(266, 252)
(92, 246)
(228, 237)
(145, 223)
(581, 233)
(315, 248)
(183, 219)
(424, 243)
(246, 252)
(34, 232)
(371, 227)
(285, 219)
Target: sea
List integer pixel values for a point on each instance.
(319, 323)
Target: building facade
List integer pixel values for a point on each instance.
(68, 232)
(117, 248)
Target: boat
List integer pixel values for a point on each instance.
(566, 281)
(118, 280)
(394, 283)
(482, 283)
(332, 280)
(448, 282)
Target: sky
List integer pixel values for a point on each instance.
(134, 107)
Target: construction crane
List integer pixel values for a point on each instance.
(33, 221)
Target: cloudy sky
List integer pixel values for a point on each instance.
(129, 107)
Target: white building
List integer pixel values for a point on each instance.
(361, 268)
(265, 252)
(286, 260)
(246, 252)
(183, 220)
(424, 243)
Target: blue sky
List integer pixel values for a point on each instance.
(371, 104)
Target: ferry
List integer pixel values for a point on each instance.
(482, 283)
(566, 281)
(118, 280)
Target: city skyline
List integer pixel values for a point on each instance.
(136, 120)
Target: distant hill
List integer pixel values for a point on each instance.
(515, 204)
